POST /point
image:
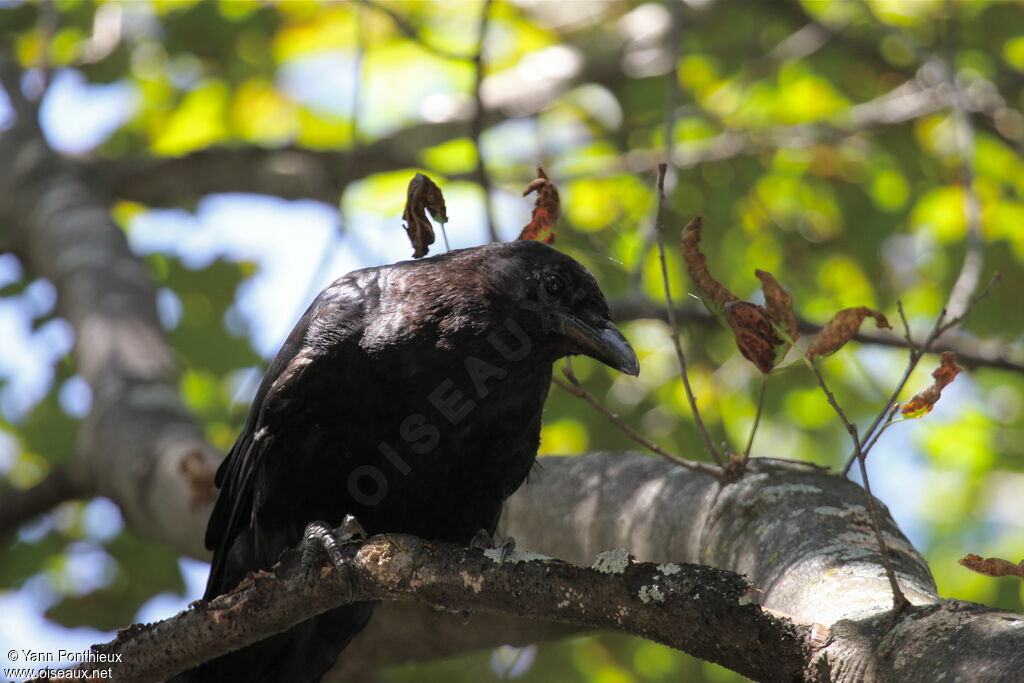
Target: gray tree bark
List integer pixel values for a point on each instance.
(801, 536)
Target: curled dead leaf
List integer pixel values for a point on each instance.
(841, 329)
(756, 328)
(923, 402)
(423, 196)
(546, 209)
(992, 566)
(755, 334)
(779, 304)
(714, 294)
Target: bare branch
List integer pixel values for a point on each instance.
(941, 326)
(412, 33)
(698, 609)
(576, 389)
(757, 417)
(18, 507)
(906, 327)
(659, 230)
(969, 352)
(899, 600)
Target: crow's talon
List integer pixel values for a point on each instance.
(351, 530)
(482, 540)
(507, 548)
(319, 539)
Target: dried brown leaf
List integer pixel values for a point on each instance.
(755, 335)
(423, 196)
(992, 566)
(923, 402)
(546, 210)
(841, 329)
(714, 293)
(753, 326)
(779, 304)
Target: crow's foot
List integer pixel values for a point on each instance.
(320, 539)
(483, 541)
(507, 547)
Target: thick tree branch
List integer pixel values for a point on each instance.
(694, 608)
(138, 445)
(289, 172)
(802, 538)
(297, 173)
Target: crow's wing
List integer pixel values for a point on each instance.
(335, 318)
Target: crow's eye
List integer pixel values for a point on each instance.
(553, 284)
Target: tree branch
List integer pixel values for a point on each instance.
(139, 445)
(576, 388)
(694, 608)
(17, 507)
(289, 172)
(297, 173)
(802, 538)
(969, 352)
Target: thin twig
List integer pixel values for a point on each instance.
(956, 320)
(670, 311)
(477, 124)
(49, 23)
(906, 327)
(960, 301)
(410, 32)
(851, 428)
(673, 94)
(575, 388)
(757, 418)
(899, 601)
(888, 423)
(970, 272)
(941, 326)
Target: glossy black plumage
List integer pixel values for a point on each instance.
(410, 396)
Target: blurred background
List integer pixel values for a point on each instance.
(854, 149)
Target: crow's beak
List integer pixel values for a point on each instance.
(603, 342)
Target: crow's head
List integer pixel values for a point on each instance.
(559, 298)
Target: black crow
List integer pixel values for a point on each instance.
(410, 396)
